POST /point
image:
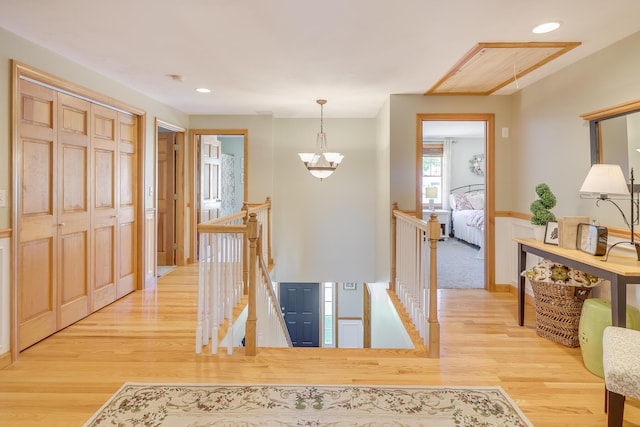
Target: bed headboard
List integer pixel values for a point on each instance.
(467, 197)
(469, 188)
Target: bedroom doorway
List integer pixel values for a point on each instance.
(454, 176)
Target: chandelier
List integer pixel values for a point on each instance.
(321, 164)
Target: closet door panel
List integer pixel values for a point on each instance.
(37, 295)
(105, 213)
(74, 290)
(37, 231)
(74, 214)
(127, 231)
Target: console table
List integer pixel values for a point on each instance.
(619, 270)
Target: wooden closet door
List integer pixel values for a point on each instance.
(37, 182)
(74, 216)
(166, 204)
(126, 239)
(105, 213)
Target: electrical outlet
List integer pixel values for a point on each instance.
(3, 198)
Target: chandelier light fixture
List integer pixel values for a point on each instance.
(322, 163)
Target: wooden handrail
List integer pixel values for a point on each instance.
(267, 279)
(244, 225)
(417, 281)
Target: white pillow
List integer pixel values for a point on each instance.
(476, 200)
(452, 202)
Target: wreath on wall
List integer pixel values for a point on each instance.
(476, 164)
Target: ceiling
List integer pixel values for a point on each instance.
(278, 56)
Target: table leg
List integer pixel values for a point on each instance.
(522, 262)
(618, 303)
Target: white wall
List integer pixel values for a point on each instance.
(383, 206)
(324, 230)
(553, 140)
(461, 152)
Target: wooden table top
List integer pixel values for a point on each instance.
(616, 263)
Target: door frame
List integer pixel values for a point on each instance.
(319, 307)
(181, 206)
(194, 179)
(489, 149)
(20, 71)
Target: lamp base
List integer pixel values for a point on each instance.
(432, 205)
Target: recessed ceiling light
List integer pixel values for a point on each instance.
(203, 90)
(547, 27)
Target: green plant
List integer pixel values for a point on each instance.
(541, 207)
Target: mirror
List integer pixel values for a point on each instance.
(615, 136)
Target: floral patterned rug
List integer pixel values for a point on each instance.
(200, 405)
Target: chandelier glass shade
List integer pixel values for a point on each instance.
(321, 163)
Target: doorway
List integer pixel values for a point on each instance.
(219, 159)
(300, 307)
(169, 192)
(474, 181)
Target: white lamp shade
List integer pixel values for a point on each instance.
(605, 179)
(306, 157)
(431, 192)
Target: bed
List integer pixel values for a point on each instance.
(467, 213)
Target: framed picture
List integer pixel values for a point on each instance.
(551, 233)
(349, 286)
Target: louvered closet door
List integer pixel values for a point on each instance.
(74, 218)
(126, 238)
(37, 203)
(105, 213)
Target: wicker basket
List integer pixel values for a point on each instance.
(558, 309)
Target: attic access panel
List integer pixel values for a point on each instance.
(490, 66)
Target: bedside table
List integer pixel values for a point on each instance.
(444, 218)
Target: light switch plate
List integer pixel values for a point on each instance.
(3, 198)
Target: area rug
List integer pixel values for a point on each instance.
(200, 405)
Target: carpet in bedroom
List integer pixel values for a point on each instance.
(459, 266)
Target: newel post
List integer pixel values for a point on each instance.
(245, 251)
(394, 224)
(434, 326)
(269, 255)
(250, 334)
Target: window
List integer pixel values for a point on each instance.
(327, 315)
(432, 173)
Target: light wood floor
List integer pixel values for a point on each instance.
(149, 337)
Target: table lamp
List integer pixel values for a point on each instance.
(431, 193)
(605, 180)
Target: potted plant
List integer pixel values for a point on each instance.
(541, 210)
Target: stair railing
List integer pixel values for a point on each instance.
(414, 273)
(232, 264)
(271, 330)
